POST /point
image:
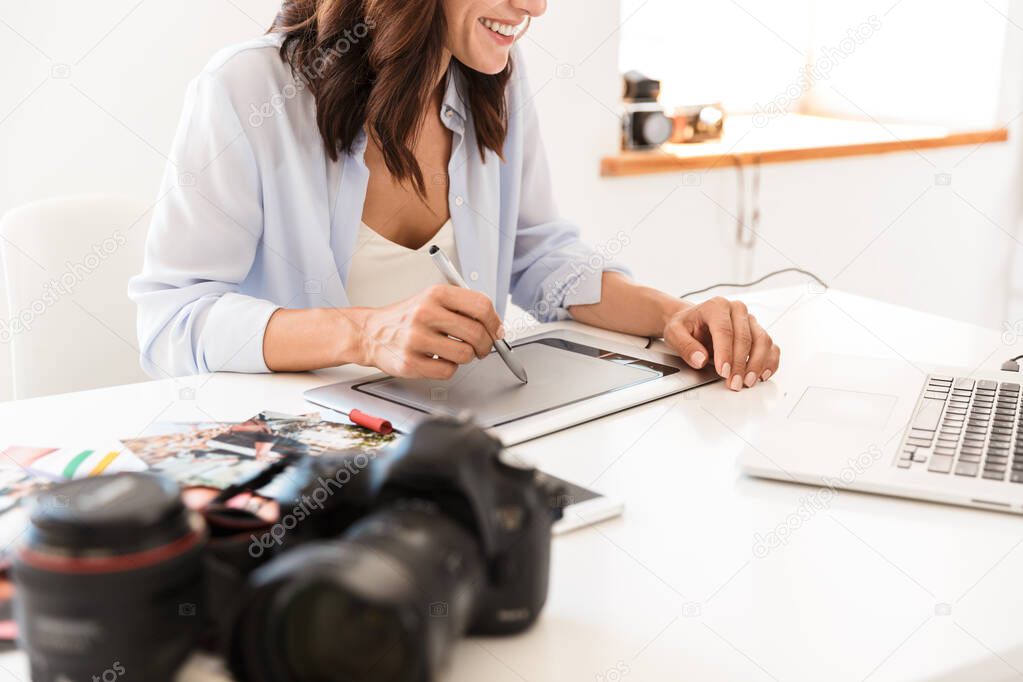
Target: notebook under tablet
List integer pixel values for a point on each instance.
(574, 378)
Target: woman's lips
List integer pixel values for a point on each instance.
(503, 41)
(503, 32)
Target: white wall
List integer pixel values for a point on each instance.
(860, 55)
(92, 92)
(880, 226)
(111, 75)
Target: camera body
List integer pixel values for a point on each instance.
(496, 498)
(376, 565)
(698, 123)
(645, 125)
(447, 502)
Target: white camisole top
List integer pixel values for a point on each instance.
(383, 272)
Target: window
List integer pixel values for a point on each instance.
(916, 61)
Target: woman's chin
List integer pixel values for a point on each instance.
(497, 67)
(489, 64)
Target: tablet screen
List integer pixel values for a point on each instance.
(560, 373)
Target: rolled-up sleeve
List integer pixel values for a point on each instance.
(553, 268)
(202, 242)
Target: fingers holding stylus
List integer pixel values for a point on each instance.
(470, 332)
(412, 358)
(434, 368)
(445, 347)
(469, 303)
(428, 335)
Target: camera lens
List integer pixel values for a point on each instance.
(318, 636)
(383, 604)
(656, 128)
(109, 579)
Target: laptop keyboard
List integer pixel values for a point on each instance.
(966, 427)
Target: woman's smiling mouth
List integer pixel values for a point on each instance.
(504, 33)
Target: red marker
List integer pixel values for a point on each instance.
(370, 422)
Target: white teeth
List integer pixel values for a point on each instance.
(504, 29)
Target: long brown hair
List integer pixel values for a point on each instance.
(377, 61)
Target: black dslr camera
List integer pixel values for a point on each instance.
(372, 569)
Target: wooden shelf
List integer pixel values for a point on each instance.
(793, 137)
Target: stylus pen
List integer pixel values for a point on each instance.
(500, 345)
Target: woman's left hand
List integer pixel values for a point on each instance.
(743, 351)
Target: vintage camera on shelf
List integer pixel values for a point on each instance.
(645, 125)
(698, 123)
(381, 562)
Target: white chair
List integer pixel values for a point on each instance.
(66, 262)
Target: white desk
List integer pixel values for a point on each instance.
(673, 590)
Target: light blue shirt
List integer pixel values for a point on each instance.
(253, 216)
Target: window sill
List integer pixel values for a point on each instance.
(793, 137)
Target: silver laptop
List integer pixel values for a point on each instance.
(896, 428)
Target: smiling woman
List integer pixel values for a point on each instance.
(385, 80)
(324, 158)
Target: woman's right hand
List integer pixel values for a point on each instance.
(429, 335)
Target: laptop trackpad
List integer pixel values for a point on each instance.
(848, 408)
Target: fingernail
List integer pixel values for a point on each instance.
(736, 383)
(766, 375)
(725, 369)
(698, 359)
(751, 378)
(500, 332)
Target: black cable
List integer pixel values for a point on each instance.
(1011, 365)
(817, 279)
(757, 281)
